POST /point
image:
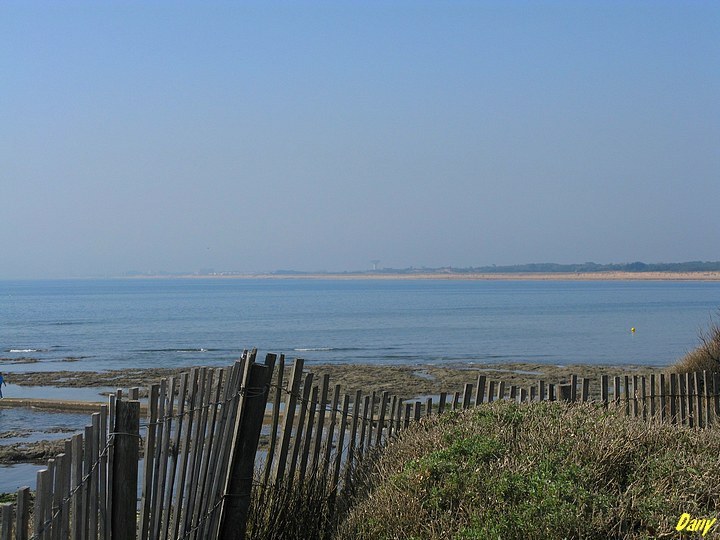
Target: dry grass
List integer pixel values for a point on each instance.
(705, 356)
(539, 471)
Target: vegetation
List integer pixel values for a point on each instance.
(542, 470)
(539, 268)
(705, 356)
(296, 511)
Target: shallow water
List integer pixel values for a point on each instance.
(13, 477)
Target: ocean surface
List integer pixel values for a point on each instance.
(99, 325)
(114, 324)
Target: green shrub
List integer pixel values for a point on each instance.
(537, 471)
(705, 356)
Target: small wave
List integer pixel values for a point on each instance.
(325, 349)
(174, 350)
(25, 350)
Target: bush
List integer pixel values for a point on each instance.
(704, 357)
(537, 471)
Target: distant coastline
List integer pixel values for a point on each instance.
(458, 276)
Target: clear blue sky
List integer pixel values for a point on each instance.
(256, 136)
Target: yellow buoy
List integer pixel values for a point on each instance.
(632, 330)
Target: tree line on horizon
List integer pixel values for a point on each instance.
(540, 268)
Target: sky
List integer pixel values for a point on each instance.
(255, 136)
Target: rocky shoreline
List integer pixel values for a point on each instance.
(405, 381)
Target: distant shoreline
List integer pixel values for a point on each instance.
(454, 276)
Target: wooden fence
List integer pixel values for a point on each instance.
(188, 469)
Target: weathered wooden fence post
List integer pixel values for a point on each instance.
(22, 513)
(125, 470)
(233, 520)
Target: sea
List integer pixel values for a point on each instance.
(101, 325)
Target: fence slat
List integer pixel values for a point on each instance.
(183, 458)
(682, 398)
(441, 405)
(160, 505)
(708, 407)
(127, 447)
(340, 444)
(391, 420)
(227, 429)
(166, 400)
(398, 414)
(456, 401)
(39, 508)
(699, 391)
(324, 387)
(167, 511)
(664, 402)
(277, 399)
(381, 418)
(643, 395)
(22, 514)
(585, 389)
(201, 446)
(501, 390)
(635, 392)
(604, 396)
(57, 496)
(353, 433)
(235, 508)
(62, 485)
(467, 395)
(363, 426)
(76, 470)
(653, 395)
(298, 439)
(371, 423)
(330, 433)
(111, 428)
(213, 442)
(479, 390)
(690, 387)
(307, 444)
(146, 497)
(6, 511)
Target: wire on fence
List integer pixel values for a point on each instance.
(86, 478)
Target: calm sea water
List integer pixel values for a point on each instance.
(117, 324)
(143, 323)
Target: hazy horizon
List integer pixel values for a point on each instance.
(255, 137)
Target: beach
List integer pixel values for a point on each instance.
(461, 276)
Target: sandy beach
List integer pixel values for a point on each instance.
(529, 276)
